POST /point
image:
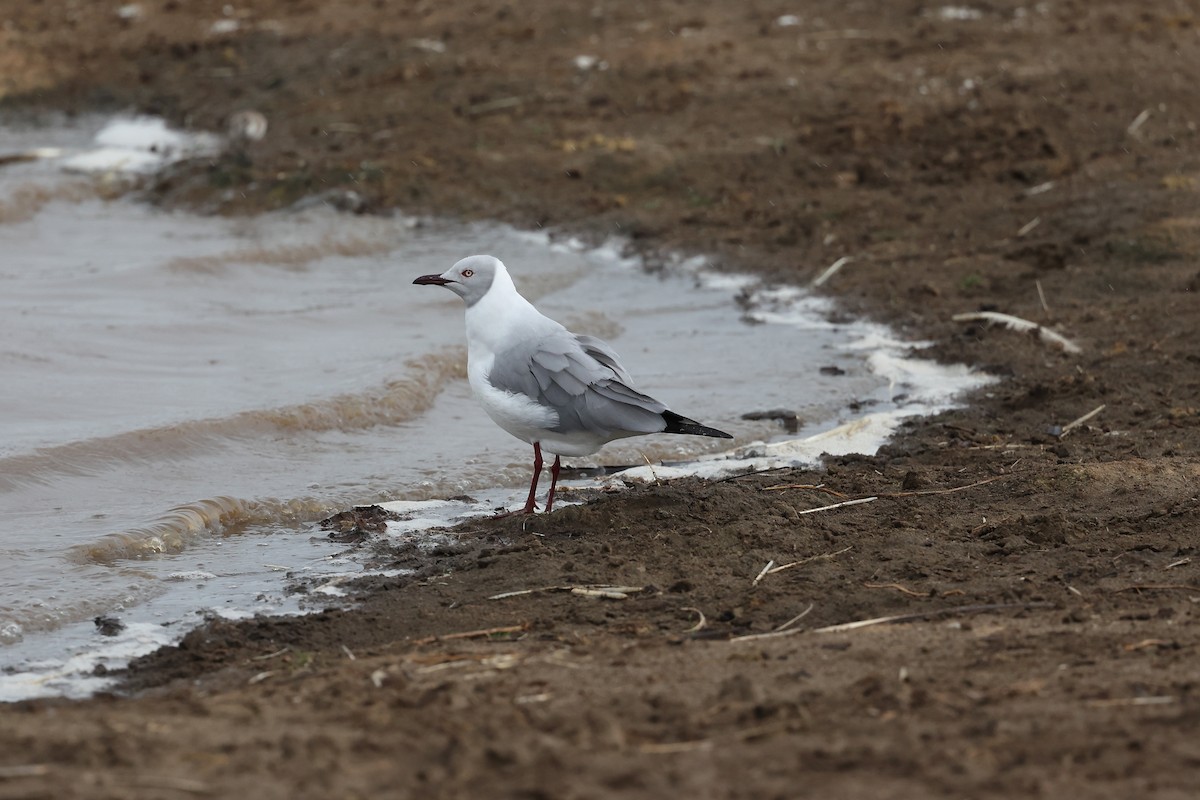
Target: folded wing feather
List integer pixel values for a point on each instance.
(581, 378)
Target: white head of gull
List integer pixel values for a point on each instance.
(557, 390)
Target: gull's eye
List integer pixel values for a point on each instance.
(466, 273)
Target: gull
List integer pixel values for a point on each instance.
(554, 389)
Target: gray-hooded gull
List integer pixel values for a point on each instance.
(543, 384)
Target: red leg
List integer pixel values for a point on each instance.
(553, 482)
(530, 505)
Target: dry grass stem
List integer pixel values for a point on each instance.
(763, 573)
(605, 593)
(699, 626)
(1181, 562)
(1007, 446)
(1029, 226)
(751, 474)
(1042, 296)
(1021, 326)
(944, 491)
(589, 590)
(269, 656)
(1072, 425)
(795, 619)
(944, 612)
(1138, 122)
(653, 474)
(810, 559)
(816, 487)
(897, 587)
(769, 635)
(859, 501)
(1116, 702)
(478, 634)
(830, 271)
(520, 592)
(1160, 587)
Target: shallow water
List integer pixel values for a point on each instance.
(184, 396)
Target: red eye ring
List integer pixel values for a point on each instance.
(466, 273)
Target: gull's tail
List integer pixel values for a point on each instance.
(678, 424)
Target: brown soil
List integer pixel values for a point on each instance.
(1050, 641)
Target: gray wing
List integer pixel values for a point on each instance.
(581, 378)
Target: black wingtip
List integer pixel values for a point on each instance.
(680, 424)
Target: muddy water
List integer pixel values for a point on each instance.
(183, 396)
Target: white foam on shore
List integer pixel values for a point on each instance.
(77, 675)
(140, 146)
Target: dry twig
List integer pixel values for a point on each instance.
(944, 612)
(785, 629)
(1138, 122)
(524, 626)
(839, 505)
(604, 592)
(751, 474)
(830, 271)
(809, 560)
(1160, 587)
(1042, 296)
(699, 626)
(1021, 326)
(769, 635)
(1144, 643)
(653, 474)
(951, 490)
(897, 587)
(795, 619)
(589, 590)
(1029, 226)
(816, 487)
(1114, 702)
(1073, 424)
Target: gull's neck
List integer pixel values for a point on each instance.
(501, 316)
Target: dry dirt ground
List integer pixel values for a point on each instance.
(1034, 159)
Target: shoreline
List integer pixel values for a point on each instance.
(1045, 575)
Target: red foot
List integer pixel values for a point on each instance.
(530, 504)
(518, 512)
